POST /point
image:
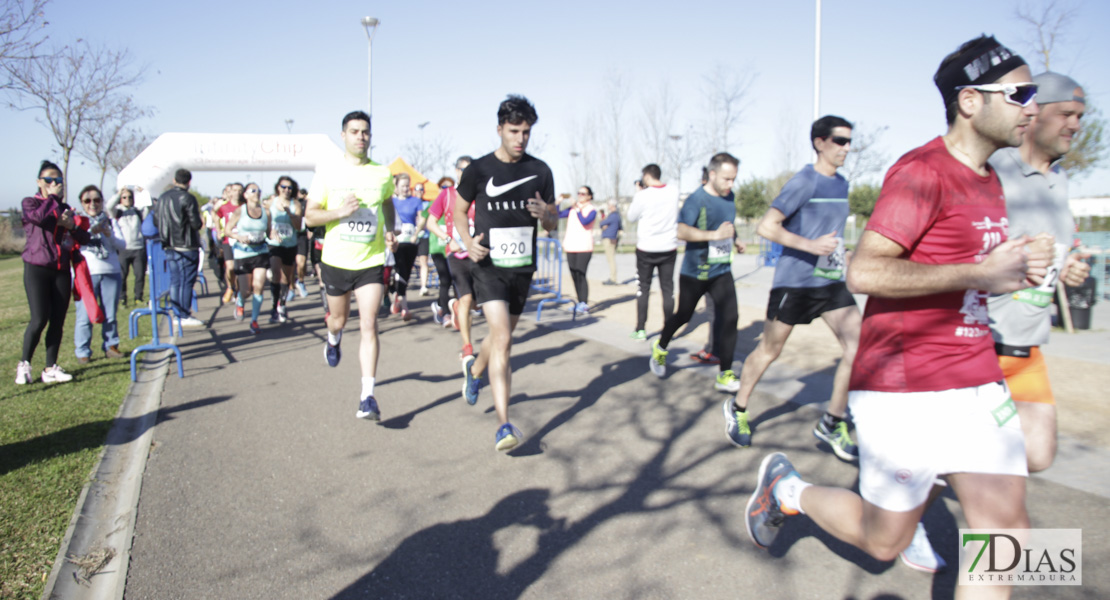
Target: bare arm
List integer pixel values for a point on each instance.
(770, 228)
(462, 225)
(315, 215)
(693, 234)
(879, 268)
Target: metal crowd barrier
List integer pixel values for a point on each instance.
(769, 252)
(158, 277)
(549, 273)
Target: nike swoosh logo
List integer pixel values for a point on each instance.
(496, 190)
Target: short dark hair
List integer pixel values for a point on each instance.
(589, 190)
(515, 110)
(721, 158)
(182, 176)
(90, 188)
(46, 166)
(464, 158)
(822, 128)
(292, 182)
(354, 115)
(652, 171)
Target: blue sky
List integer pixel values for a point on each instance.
(246, 67)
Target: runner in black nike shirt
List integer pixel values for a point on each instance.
(511, 191)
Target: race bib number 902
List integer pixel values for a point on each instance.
(511, 246)
(360, 227)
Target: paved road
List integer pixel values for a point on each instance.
(261, 483)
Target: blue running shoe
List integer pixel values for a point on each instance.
(332, 354)
(765, 515)
(471, 385)
(508, 437)
(368, 409)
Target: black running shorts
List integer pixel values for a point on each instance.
(460, 275)
(800, 306)
(494, 283)
(338, 282)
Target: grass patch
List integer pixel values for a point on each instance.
(50, 437)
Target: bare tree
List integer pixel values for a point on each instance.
(682, 152)
(614, 99)
(725, 90)
(431, 156)
(864, 156)
(21, 28)
(131, 143)
(584, 151)
(107, 128)
(70, 87)
(1047, 24)
(659, 124)
(791, 140)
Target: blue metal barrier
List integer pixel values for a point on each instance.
(158, 277)
(549, 273)
(1098, 244)
(769, 252)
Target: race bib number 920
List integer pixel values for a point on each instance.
(511, 246)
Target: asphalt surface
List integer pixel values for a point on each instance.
(261, 483)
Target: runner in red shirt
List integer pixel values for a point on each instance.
(935, 247)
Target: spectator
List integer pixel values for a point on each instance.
(610, 236)
(129, 219)
(177, 217)
(101, 254)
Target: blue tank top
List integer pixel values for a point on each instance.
(283, 223)
(255, 229)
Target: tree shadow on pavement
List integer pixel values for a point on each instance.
(109, 432)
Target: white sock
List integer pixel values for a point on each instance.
(333, 338)
(788, 491)
(367, 387)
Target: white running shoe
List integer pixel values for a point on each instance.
(191, 322)
(23, 373)
(920, 555)
(55, 374)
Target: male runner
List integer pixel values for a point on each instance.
(705, 223)
(655, 206)
(510, 190)
(352, 199)
(808, 219)
(934, 248)
(1036, 189)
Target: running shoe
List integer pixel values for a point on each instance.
(582, 307)
(255, 329)
(839, 439)
(274, 316)
(437, 313)
(228, 295)
(920, 555)
(23, 373)
(396, 306)
(302, 291)
(191, 322)
(705, 357)
(658, 361)
(507, 438)
(451, 304)
(424, 291)
(282, 315)
(764, 515)
(406, 315)
(727, 382)
(471, 384)
(639, 335)
(368, 409)
(290, 295)
(736, 425)
(55, 374)
(238, 313)
(332, 354)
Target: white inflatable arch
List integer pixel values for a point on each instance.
(152, 171)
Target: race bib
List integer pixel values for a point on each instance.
(831, 266)
(361, 227)
(720, 251)
(408, 232)
(285, 231)
(1041, 296)
(511, 246)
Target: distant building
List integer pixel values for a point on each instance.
(1089, 207)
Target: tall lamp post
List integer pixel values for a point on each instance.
(371, 26)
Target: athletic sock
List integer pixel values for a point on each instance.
(788, 491)
(256, 305)
(334, 338)
(831, 421)
(284, 292)
(367, 387)
(275, 295)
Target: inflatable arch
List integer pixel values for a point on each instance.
(152, 171)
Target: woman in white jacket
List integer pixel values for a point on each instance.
(102, 256)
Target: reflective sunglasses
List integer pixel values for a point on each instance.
(285, 187)
(1020, 94)
(253, 191)
(840, 140)
(57, 180)
(91, 200)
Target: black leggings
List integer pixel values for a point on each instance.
(127, 258)
(405, 256)
(723, 292)
(577, 263)
(646, 262)
(443, 272)
(48, 292)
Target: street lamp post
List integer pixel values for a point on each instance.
(371, 26)
(289, 125)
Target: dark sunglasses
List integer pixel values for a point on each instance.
(1020, 94)
(57, 180)
(91, 200)
(840, 140)
(285, 187)
(444, 186)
